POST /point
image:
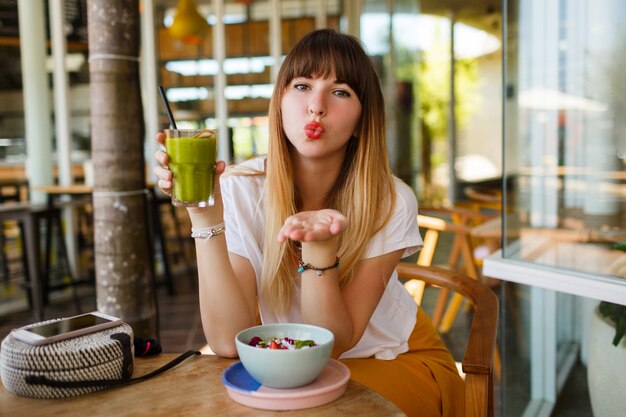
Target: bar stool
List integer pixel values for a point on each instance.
(22, 214)
(10, 192)
(158, 236)
(66, 197)
(178, 252)
(29, 217)
(54, 231)
(5, 259)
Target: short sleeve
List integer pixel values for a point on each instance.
(234, 239)
(243, 214)
(401, 232)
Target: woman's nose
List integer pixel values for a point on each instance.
(317, 107)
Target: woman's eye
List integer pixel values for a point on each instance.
(300, 86)
(342, 93)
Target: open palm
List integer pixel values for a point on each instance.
(313, 226)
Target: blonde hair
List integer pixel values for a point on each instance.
(364, 191)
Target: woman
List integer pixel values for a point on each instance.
(315, 230)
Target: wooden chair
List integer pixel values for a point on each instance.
(482, 198)
(465, 246)
(478, 359)
(461, 257)
(459, 223)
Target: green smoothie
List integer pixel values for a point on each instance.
(192, 161)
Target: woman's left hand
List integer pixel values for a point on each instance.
(313, 226)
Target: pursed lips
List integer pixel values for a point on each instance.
(313, 130)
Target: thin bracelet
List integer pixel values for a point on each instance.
(208, 232)
(319, 271)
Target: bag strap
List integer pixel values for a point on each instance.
(127, 369)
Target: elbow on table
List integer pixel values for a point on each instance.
(224, 349)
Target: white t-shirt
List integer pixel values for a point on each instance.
(393, 319)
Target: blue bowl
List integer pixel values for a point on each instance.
(285, 368)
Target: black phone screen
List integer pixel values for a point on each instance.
(68, 325)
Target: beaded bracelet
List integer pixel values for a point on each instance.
(208, 232)
(319, 271)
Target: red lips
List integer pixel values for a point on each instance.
(313, 130)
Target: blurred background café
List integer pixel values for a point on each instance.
(506, 117)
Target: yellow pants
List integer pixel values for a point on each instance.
(422, 382)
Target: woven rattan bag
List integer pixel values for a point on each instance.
(71, 367)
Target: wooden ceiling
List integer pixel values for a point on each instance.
(484, 14)
(10, 67)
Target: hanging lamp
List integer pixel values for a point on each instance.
(189, 26)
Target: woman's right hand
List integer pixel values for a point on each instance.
(162, 172)
(212, 215)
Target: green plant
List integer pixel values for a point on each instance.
(616, 312)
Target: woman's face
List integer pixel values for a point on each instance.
(319, 115)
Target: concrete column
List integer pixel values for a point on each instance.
(452, 133)
(148, 74)
(221, 106)
(62, 121)
(391, 97)
(353, 17)
(275, 37)
(38, 126)
(321, 20)
(61, 83)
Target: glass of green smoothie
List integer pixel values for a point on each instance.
(192, 157)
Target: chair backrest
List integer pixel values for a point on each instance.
(461, 250)
(477, 361)
(457, 222)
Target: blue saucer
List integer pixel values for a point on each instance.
(236, 377)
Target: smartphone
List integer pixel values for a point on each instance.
(41, 334)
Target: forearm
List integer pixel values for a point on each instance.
(322, 303)
(224, 306)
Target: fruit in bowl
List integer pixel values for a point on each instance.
(284, 355)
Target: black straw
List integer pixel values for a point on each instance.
(167, 107)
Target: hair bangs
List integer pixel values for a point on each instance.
(323, 53)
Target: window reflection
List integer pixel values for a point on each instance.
(565, 141)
